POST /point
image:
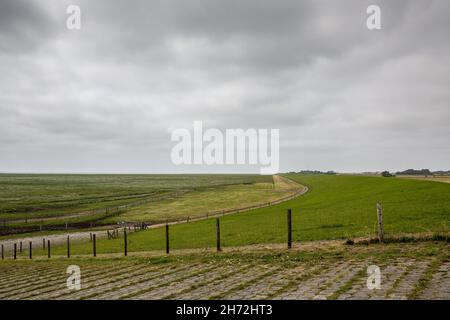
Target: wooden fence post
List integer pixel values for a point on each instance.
(125, 242)
(289, 225)
(20, 247)
(167, 239)
(68, 246)
(3, 253)
(380, 223)
(31, 250)
(48, 248)
(94, 244)
(218, 234)
(15, 251)
(43, 244)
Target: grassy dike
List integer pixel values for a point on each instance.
(335, 207)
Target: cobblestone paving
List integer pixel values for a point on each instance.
(439, 286)
(424, 277)
(310, 288)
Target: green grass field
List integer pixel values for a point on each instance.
(35, 197)
(335, 207)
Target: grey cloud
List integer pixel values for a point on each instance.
(344, 97)
(24, 25)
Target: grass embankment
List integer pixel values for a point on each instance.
(40, 197)
(335, 207)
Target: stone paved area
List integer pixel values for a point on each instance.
(423, 277)
(439, 288)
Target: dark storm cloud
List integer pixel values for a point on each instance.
(23, 25)
(107, 96)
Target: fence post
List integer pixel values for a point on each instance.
(3, 253)
(125, 242)
(167, 238)
(289, 225)
(20, 247)
(68, 246)
(94, 244)
(48, 248)
(31, 250)
(15, 251)
(380, 223)
(43, 243)
(218, 234)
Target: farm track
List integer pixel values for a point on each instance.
(404, 275)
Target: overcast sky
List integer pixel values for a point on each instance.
(106, 98)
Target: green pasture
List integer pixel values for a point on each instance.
(341, 206)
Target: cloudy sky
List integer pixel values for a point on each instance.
(105, 98)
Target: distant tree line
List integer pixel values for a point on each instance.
(313, 172)
(422, 172)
